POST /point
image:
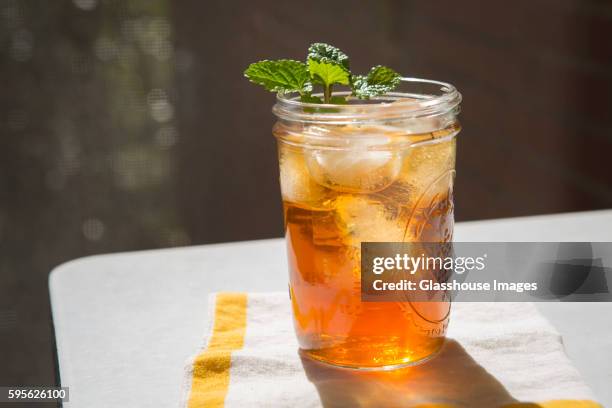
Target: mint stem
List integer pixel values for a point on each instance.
(327, 93)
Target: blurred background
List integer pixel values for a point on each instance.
(127, 124)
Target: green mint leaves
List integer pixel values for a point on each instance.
(280, 76)
(328, 66)
(327, 54)
(379, 81)
(325, 66)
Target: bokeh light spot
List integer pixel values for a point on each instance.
(86, 5)
(93, 229)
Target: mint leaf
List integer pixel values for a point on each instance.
(328, 66)
(280, 76)
(327, 74)
(379, 81)
(328, 54)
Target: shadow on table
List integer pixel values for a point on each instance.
(452, 377)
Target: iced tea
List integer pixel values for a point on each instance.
(343, 184)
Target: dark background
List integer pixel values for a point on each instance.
(127, 125)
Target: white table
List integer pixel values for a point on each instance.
(125, 323)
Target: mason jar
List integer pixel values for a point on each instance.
(378, 170)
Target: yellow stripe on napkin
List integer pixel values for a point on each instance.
(211, 368)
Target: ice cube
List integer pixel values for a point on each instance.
(369, 218)
(297, 186)
(424, 163)
(362, 166)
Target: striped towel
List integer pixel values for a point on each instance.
(496, 355)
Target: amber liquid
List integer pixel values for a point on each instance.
(333, 203)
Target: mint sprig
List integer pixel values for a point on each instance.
(326, 66)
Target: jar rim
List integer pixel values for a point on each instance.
(427, 98)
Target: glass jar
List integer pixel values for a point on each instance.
(379, 170)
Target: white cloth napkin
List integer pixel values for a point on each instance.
(497, 354)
